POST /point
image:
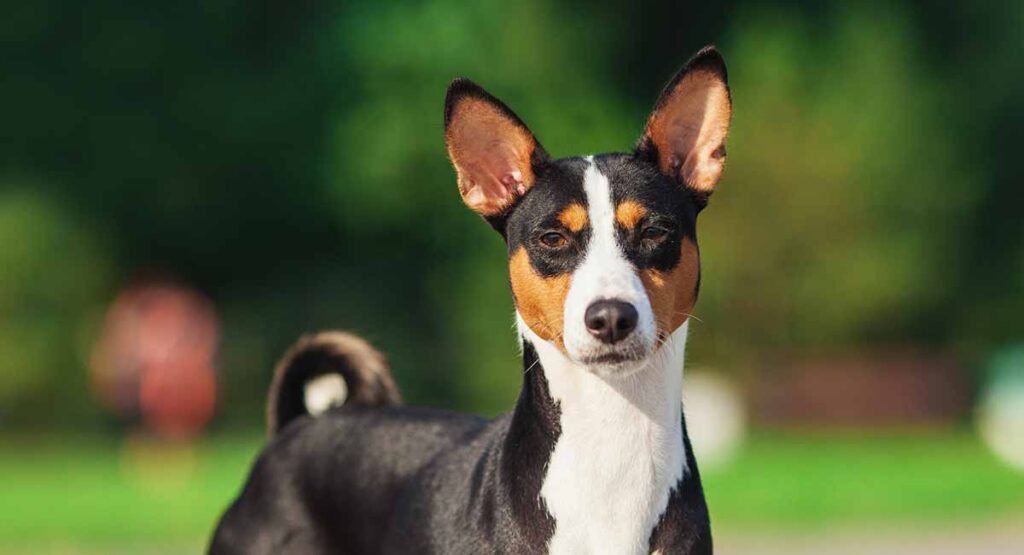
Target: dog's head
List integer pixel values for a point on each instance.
(603, 255)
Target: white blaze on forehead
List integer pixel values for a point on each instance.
(604, 274)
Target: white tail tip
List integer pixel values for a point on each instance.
(324, 392)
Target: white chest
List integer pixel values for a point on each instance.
(618, 457)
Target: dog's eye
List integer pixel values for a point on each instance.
(554, 240)
(654, 234)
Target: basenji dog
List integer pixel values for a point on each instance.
(594, 457)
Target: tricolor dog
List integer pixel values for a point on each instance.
(594, 457)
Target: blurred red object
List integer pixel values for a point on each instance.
(881, 389)
(155, 358)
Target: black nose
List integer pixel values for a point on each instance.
(610, 321)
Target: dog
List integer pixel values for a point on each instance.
(594, 458)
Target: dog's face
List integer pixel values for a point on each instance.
(603, 257)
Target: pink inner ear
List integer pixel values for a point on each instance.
(491, 154)
(496, 184)
(690, 128)
(705, 162)
(702, 174)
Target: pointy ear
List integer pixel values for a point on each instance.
(686, 133)
(492, 150)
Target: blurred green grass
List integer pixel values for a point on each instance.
(803, 482)
(88, 496)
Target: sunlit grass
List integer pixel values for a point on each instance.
(806, 481)
(105, 493)
(90, 496)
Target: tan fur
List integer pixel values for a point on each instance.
(574, 217)
(689, 129)
(629, 213)
(672, 293)
(540, 300)
(491, 154)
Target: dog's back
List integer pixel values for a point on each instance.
(340, 448)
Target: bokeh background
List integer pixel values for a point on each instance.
(186, 187)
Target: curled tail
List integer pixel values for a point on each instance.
(325, 370)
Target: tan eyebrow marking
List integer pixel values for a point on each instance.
(574, 217)
(629, 213)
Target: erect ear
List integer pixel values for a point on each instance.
(686, 133)
(492, 150)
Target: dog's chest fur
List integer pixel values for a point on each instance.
(619, 455)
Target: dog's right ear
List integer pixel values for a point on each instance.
(492, 150)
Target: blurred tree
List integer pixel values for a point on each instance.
(52, 270)
(837, 223)
(977, 48)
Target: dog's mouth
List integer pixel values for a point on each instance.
(611, 359)
(617, 362)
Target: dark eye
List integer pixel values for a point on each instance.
(654, 234)
(554, 240)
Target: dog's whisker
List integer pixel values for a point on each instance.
(688, 315)
(531, 367)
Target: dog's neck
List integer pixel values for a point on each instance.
(616, 448)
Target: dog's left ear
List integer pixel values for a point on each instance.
(686, 133)
(493, 152)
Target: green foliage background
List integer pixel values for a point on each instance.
(286, 158)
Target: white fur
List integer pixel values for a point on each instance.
(620, 452)
(324, 392)
(605, 274)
